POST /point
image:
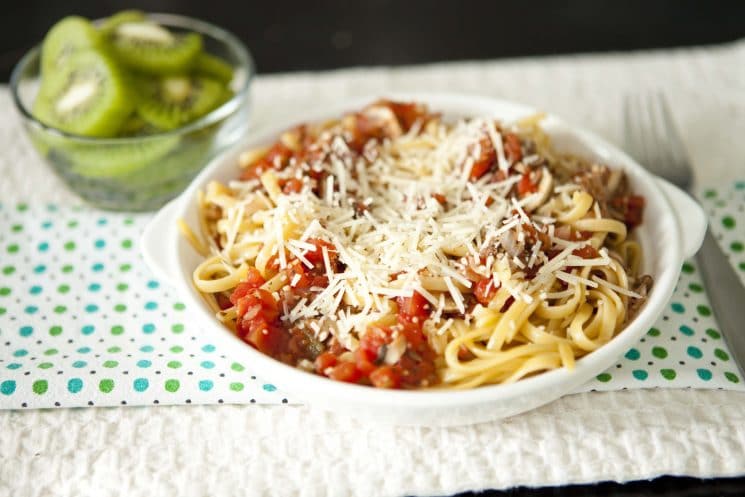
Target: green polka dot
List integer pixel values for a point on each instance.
(106, 385)
(677, 307)
(69, 246)
(640, 374)
(728, 222)
(60, 309)
(732, 377)
(668, 374)
(695, 287)
(122, 287)
(688, 268)
(3, 310)
(604, 377)
(120, 307)
(40, 387)
(721, 355)
(51, 352)
(12, 248)
(110, 364)
(8, 270)
(177, 328)
(72, 224)
(67, 268)
(16, 228)
(125, 267)
(704, 374)
(713, 333)
(179, 306)
(127, 244)
(4, 291)
(172, 385)
(63, 288)
(236, 386)
(117, 329)
(113, 350)
(45, 365)
(174, 364)
(237, 367)
(176, 349)
(653, 332)
(710, 193)
(694, 352)
(55, 330)
(703, 310)
(740, 185)
(659, 352)
(22, 207)
(737, 247)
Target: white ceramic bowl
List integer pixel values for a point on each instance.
(673, 229)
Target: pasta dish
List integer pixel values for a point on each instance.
(391, 247)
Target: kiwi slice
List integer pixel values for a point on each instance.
(148, 47)
(68, 36)
(110, 24)
(137, 126)
(213, 67)
(172, 101)
(85, 97)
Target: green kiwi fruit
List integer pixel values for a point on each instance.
(148, 47)
(87, 96)
(110, 23)
(172, 101)
(213, 67)
(137, 126)
(68, 36)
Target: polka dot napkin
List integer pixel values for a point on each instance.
(84, 323)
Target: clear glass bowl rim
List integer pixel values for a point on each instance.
(205, 28)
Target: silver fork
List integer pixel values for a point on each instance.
(651, 137)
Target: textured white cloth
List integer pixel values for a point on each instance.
(257, 450)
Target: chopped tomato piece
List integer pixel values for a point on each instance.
(345, 371)
(414, 308)
(223, 302)
(324, 361)
(385, 377)
(632, 208)
(485, 290)
(365, 360)
(526, 185)
(253, 280)
(267, 339)
(293, 185)
(485, 160)
(276, 157)
(512, 148)
(440, 198)
(316, 255)
(406, 113)
(586, 252)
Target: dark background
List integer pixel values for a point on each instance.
(292, 36)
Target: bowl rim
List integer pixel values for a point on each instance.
(307, 384)
(172, 20)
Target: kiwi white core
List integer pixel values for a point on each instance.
(76, 95)
(146, 32)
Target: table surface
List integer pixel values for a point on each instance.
(616, 436)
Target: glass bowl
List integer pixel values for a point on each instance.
(143, 172)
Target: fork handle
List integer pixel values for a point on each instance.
(726, 296)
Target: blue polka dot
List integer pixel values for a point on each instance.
(640, 374)
(51, 208)
(205, 385)
(147, 348)
(686, 330)
(87, 329)
(7, 387)
(207, 364)
(269, 387)
(99, 244)
(43, 247)
(94, 287)
(84, 350)
(208, 348)
(31, 309)
(694, 352)
(74, 385)
(46, 225)
(677, 307)
(20, 353)
(35, 290)
(40, 269)
(140, 384)
(26, 331)
(150, 306)
(14, 365)
(144, 363)
(102, 221)
(148, 328)
(97, 267)
(91, 308)
(153, 284)
(704, 374)
(79, 364)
